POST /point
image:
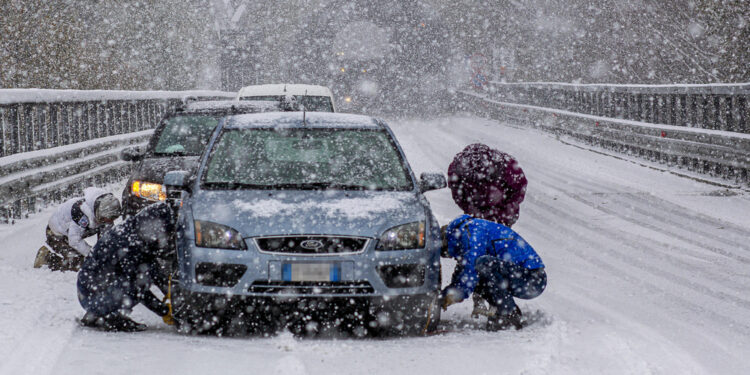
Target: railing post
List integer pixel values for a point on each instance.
(25, 129)
(723, 114)
(743, 110)
(682, 110)
(672, 106)
(3, 132)
(48, 138)
(638, 115)
(716, 112)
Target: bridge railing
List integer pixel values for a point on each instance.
(716, 106)
(702, 129)
(53, 143)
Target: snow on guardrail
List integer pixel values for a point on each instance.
(709, 152)
(54, 143)
(711, 106)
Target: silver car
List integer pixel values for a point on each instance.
(310, 220)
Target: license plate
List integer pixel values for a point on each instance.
(311, 272)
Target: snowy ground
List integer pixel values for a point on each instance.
(648, 273)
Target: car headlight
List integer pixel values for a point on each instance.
(208, 234)
(148, 190)
(402, 237)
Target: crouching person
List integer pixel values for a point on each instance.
(121, 269)
(73, 221)
(493, 262)
(497, 265)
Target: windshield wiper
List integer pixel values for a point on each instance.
(320, 186)
(232, 185)
(173, 153)
(289, 186)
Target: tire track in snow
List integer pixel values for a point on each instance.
(657, 211)
(616, 211)
(669, 319)
(620, 265)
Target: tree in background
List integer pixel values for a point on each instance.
(107, 44)
(39, 44)
(174, 44)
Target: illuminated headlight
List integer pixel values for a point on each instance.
(402, 237)
(348, 99)
(148, 190)
(208, 234)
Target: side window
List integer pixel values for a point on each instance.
(185, 135)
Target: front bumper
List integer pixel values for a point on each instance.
(252, 273)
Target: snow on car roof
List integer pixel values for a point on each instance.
(283, 89)
(218, 105)
(312, 119)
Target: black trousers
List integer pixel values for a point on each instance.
(500, 281)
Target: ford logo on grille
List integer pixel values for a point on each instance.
(311, 244)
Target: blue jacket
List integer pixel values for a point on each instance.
(469, 238)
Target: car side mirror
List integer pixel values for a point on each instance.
(131, 154)
(431, 181)
(175, 182)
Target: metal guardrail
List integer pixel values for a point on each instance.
(55, 143)
(717, 106)
(714, 153)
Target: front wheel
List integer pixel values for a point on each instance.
(407, 315)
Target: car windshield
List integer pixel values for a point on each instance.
(185, 135)
(311, 103)
(307, 159)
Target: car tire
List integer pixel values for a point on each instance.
(406, 315)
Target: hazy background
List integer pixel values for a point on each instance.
(386, 51)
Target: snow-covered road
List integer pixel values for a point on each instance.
(648, 273)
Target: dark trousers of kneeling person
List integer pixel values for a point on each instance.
(501, 281)
(108, 301)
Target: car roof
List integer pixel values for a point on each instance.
(229, 106)
(284, 89)
(294, 119)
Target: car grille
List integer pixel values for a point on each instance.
(311, 288)
(312, 245)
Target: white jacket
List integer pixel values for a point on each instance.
(62, 223)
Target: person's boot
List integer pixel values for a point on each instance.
(91, 320)
(502, 322)
(41, 257)
(121, 323)
(114, 322)
(480, 308)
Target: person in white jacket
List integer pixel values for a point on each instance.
(73, 221)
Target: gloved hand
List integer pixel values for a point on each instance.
(450, 296)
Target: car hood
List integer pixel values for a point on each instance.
(154, 169)
(352, 213)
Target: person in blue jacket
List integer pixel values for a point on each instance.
(493, 261)
(121, 268)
